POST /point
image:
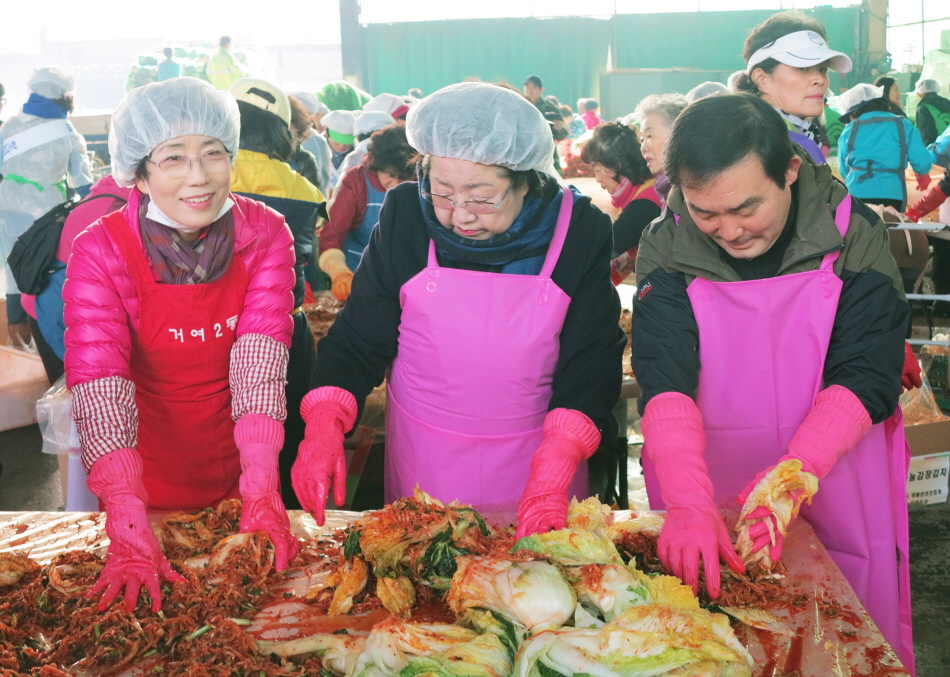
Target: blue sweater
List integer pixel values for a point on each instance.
(872, 168)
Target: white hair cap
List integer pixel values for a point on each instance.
(856, 97)
(308, 100)
(927, 86)
(340, 121)
(151, 115)
(371, 120)
(385, 102)
(482, 123)
(50, 82)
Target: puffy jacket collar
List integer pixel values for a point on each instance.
(819, 193)
(243, 234)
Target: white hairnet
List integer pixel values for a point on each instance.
(371, 120)
(50, 82)
(321, 108)
(385, 102)
(151, 115)
(856, 97)
(481, 123)
(927, 86)
(308, 100)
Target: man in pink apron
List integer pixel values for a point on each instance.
(769, 326)
(485, 294)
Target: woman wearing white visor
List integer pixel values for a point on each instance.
(787, 60)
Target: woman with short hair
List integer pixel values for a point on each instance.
(655, 115)
(619, 168)
(485, 296)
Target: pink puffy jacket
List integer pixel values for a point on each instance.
(102, 307)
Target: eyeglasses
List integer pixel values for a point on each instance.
(178, 166)
(474, 206)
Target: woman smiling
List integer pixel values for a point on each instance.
(485, 295)
(177, 312)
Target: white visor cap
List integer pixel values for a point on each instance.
(801, 50)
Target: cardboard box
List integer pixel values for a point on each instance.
(22, 382)
(928, 438)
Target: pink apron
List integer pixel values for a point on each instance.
(779, 329)
(471, 382)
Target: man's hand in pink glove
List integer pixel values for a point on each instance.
(910, 375)
(329, 412)
(835, 424)
(923, 181)
(259, 439)
(675, 441)
(569, 438)
(691, 534)
(134, 558)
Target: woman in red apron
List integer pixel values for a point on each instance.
(769, 330)
(177, 312)
(485, 295)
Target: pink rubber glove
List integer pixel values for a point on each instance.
(923, 181)
(134, 558)
(831, 429)
(675, 441)
(569, 438)
(329, 413)
(259, 439)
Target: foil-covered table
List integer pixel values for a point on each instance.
(833, 634)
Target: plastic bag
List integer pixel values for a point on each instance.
(919, 405)
(54, 416)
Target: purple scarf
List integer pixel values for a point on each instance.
(177, 261)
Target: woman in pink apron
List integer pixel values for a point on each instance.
(177, 311)
(769, 327)
(485, 296)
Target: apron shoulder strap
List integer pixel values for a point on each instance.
(842, 221)
(560, 232)
(121, 233)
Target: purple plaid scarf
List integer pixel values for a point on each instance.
(177, 261)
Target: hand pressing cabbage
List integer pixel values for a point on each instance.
(584, 541)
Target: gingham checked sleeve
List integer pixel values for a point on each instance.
(106, 417)
(259, 377)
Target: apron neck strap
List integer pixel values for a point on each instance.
(560, 232)
(842, 220)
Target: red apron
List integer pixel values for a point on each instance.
(180, 363)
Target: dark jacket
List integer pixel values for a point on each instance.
(866, 351)
(362, 343)
(925, 119)
(629, 226)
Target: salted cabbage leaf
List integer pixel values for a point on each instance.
(535, 595)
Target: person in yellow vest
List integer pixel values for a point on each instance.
(222, 69)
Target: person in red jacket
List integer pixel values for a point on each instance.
(357, 201)
(178, 323)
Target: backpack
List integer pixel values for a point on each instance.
(33, 255)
